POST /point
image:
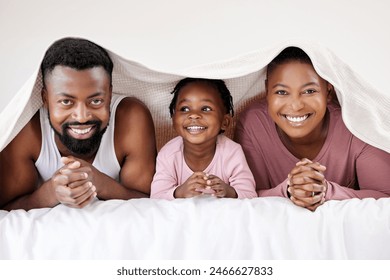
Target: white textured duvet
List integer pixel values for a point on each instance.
(199, 228)
(206, 228)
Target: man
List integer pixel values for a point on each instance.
(85, 142)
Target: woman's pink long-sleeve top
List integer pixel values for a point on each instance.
(229, 164)
(353, 168)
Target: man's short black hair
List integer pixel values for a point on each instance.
(219, 85)
(76, 53)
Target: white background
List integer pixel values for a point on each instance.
(174, 34)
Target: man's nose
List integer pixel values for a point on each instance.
(81, 113)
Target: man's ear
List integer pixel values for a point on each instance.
(44, 97)
(227, 119)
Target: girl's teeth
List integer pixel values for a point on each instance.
(195, 128)
(297, 119)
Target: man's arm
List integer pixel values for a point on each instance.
(18, 175)
(135, 143)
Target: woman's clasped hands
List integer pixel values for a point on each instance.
(306, 185)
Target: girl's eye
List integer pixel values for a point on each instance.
(206, 109)
(184, 109)
(66, 102)
(96, 102)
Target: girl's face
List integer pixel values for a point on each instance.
(199, 114)
(297, 100)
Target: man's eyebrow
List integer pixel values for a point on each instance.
(73, 97)
(65, 95)
(96, 94)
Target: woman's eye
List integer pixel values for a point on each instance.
(310, 91)
(281, 92)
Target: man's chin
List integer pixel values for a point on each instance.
(82, 147)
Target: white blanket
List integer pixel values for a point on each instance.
(199, 228)
(365, 109)
(263, 228)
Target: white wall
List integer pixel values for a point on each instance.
(172, 34)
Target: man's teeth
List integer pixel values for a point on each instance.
(194, 128)
(297, 119)
(81, 131)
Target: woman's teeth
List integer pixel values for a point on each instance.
(297, 119)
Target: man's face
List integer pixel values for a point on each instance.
(78, 102)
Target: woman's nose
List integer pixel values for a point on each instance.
(297, 103)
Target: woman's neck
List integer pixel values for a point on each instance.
(310, 145)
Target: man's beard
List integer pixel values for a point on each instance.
(80, 147)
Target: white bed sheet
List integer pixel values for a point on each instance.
(199, 228)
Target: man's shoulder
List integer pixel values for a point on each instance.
(28, 141)
(130, 104)
(132, 111)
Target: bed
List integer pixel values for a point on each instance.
(206, 227)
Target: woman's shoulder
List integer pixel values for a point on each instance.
(256, 106)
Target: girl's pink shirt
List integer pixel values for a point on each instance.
(229, 164)
(353, 168)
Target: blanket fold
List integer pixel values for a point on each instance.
(365, 109)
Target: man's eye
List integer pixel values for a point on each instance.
(184, 109)
(96, 102)
(66, 102)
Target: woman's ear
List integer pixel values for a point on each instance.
(331, 93)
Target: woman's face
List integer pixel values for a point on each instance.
(297, 100)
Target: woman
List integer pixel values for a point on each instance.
(297, 145)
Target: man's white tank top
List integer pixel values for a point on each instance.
(49, 160)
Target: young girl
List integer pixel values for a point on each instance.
(297, 145)
(201, 160)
